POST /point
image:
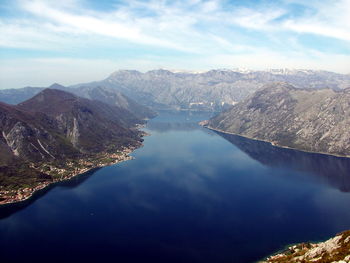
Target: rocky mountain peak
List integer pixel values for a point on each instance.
(159, 72)
(49, 101)
(124, 72)
(56, 86)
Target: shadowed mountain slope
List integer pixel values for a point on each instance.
(106, 95)
(55, 133)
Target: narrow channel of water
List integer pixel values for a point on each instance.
(190, 195)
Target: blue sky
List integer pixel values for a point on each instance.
(71, 41)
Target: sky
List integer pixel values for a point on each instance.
(74, 41)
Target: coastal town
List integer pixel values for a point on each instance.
(70, 169)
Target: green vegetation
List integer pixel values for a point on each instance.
(21, 176)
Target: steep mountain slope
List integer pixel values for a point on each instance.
(212, 90)
(89, 125)
(310, 120)
(56, 135)
(106, 95)
(115, 98)
(25, 135)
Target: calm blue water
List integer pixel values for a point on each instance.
(191, 195)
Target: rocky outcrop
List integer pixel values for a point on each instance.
(304, 119)
(334, 250)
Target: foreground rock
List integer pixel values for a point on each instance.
(303, 119)
(334, 250)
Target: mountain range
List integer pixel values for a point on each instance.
(314, 120)
(103, 94)
(212, 90)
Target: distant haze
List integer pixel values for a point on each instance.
(209, 90)
(70, 75)
(73, 41)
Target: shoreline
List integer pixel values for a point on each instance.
(293, 250)
(24, 194)
(272, 143)
(296, 247)
(333, 249)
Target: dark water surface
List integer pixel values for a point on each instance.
(191, 195)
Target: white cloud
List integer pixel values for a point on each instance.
(330, 19)
(180, 25)
(194, 34)
(127, 28)
(257, 19)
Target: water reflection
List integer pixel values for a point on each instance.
(332, 170)
(186, 197)
(179, 121)
(172, 126)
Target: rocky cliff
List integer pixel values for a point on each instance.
(304, 119)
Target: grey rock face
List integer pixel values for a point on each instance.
(305, 119)
(212, 90)
(115, 98)
(163, 89)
